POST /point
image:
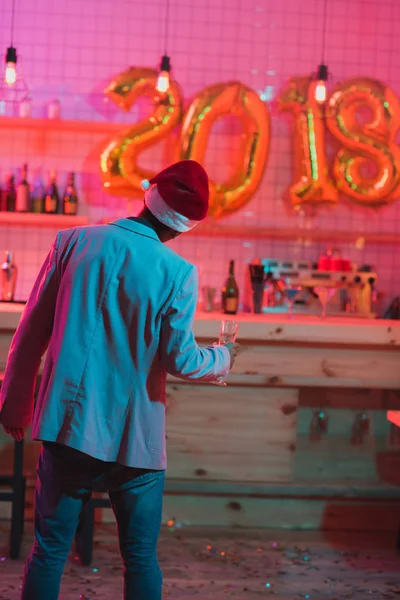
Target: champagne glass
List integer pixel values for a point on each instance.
(325, 294)
(228, 332)
(291, 293)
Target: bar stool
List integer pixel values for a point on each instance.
(17, 482)
(16, 496)
(394, 417)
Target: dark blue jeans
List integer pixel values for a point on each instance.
(65, 480)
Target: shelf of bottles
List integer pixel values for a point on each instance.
(41, 220)
(37, 204)
(43, 125)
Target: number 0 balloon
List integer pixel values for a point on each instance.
(213, 103)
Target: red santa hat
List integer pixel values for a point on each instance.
(178, 195)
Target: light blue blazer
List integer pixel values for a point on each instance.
(114, 307)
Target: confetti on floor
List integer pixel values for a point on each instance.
(243, 564)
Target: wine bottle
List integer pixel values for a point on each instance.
(70, 197)
(9, 194)
(52, 199)
(22, 202)
(38, 195)
(230, 292)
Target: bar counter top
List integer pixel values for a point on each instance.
(275, 329)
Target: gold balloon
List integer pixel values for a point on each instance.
(366, 142)
(121, 173)
(312, 184)
(212, 103)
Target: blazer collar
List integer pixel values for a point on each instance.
(136, 227)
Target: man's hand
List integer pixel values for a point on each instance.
(18, 433)
(233, 351)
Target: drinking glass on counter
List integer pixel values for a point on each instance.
(291, 293)
(209, 295)
(325, 294)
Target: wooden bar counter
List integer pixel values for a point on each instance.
(298, 439)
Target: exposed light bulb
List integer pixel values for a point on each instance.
(163, 79)
(320, 88)
(320, 92)
(10, 75)
(163, 82)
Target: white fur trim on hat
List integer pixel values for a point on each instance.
(165, 214)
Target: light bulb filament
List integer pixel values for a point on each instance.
(320, 91)
(163, 82)
(10, 76)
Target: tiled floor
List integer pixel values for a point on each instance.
(242, 564)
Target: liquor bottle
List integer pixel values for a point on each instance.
(8, 277)
(22, 202)
(70, 197)
(9, 195)
(38, 195)
(230, 292)
(52, 199)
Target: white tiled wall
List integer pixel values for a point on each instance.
(70, 49)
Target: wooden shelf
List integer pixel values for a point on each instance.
(40, 220)
(44, 125)
(293, 234)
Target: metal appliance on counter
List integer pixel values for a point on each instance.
(9, 273)
(351, 291)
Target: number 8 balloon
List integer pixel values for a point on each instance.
(366, 142)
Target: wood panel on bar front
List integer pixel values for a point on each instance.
(243, 455)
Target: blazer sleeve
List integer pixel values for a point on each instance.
(28, 346)
(180, 354)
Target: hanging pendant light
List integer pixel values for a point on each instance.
(13, 88)
(322, 74)
(10, 75)
(320, 88)
(163, 79)
(163, 76)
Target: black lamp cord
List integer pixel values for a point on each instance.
(325, 16)
(166, 32)
(12, 23)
